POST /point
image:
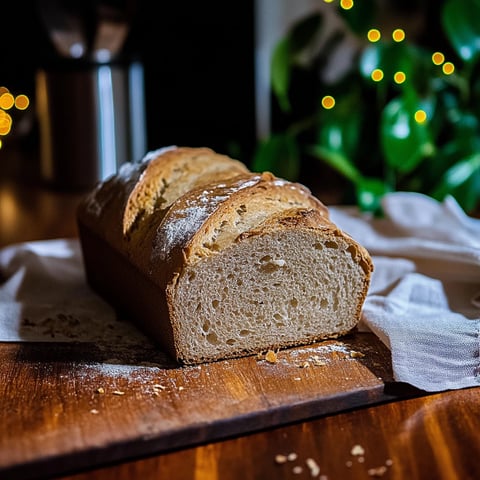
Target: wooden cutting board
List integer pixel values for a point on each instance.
(70, 406)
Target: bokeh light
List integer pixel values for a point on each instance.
(448, 68)
(398, 35)
(328, 102)
(346, 4)
(438, 58)
(5, 123)
(374, 35)
(21, 102)
(377, 75)
(399, 77)
(6, 101)
(420, 116)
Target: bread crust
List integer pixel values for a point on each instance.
(180, 206)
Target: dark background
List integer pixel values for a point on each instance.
(198, 63)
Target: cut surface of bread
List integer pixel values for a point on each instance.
(214, 261)
(260, 295)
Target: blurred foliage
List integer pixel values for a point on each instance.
(420, 135)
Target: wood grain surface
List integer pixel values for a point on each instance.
(80, 405)
(433, 437)
(48, 392)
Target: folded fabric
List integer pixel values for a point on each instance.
(44, 298)
(424, 300)
(423, 303)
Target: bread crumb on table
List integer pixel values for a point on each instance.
(378, 471)
(100, 390)
(357, 450)
(313, 467)
(271, 357)
(118, 392)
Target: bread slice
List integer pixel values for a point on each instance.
(292, 280)
(218, 269)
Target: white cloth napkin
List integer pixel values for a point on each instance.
(44, 298)
(424, 300)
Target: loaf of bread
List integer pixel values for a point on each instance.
(214, 261)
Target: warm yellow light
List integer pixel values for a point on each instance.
(328, 102)
(399, 77)
(21, 102)
(398, 35)
(0, 143)
(346, 4)
(448, 68)
(6, 100)
(374, 35)
(420, 116)
(377, 75)
(438, 58)
(328, 1)
(5, 124)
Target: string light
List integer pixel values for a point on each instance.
(420, 116)
(21, 102)
(399, 77)
(346, 4)
(377, 75)
(398, 35)
(8, 101)
(328, 102)
(374, 35)
(448, 68)
(438, 58)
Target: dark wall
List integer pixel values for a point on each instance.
(198, 62)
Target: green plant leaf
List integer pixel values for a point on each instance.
(369, 192)
(337, 160)
(460, 21)
(281, 73)
(457, 175)
(360, 17)
(303, 32)
(405, 142)
(280, 155)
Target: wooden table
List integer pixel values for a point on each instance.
(397, 433)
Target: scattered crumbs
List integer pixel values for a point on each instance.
(361, 459)
(388, 462)
(348, 463)
(181, 388)
(323, 477)
(357, 450)
(280, 459)
(297, 378)
(354, 354)
(94, 411)
(118, 392)
(158, 386)
(313, 467)
(297, 470)
(100, 390)
(317, 361)
(378, 471)
(271, 357)
(291, 457)
(304, 365)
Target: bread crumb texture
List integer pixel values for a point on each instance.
(244, 262)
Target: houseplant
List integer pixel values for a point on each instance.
(405, 114)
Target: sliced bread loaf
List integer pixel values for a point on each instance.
(225, 264)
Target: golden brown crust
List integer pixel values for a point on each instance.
(178, 169)
(180, 206)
